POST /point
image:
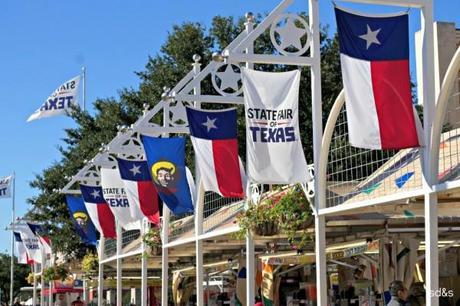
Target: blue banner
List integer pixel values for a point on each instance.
(83, 225)
(166, 159)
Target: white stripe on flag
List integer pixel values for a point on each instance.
(132, 193)
(93, 214)
(363, 123)
(205, 158)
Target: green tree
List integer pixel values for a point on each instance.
(164, 69)
(20, 275)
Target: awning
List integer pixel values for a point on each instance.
(63, 290)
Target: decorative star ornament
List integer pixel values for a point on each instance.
(370, 37)
(135, 170)
(210, 123)
(290, 35)
(229, 78)
(96, 194)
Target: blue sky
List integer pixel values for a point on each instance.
(47, 42)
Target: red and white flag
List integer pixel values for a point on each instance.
(21, 251)
(374, 55)
(214, 139)
(98, 210)
(140, 190)
(31, 242)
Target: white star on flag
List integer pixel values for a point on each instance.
(370, 37)
(229, 78)
(290, 35)
(210, 123)
(95, 194)
(135, 170)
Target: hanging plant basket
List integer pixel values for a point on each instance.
(267, 228)
(154, 250)
(55, 273)
(152, 239)
(30, 278)
(90, 263)
(307, 223)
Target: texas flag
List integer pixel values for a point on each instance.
(214, 139)
(21, 251)
(98, 210)
(139, 188)
(374, 53)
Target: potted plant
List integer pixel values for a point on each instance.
(61, 272)
(152, 239)
(261, 219)
(295, 217)
(30, 278)
(49, 274)
(90, 263)
(58, 272)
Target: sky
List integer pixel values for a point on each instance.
(44, 43)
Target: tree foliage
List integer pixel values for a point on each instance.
(163, 69)
(20, 274)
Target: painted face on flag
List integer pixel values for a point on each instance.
(81, 218)
(165, 174)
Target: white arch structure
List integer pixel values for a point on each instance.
(188, 90)
(434, 115)
(241, 50)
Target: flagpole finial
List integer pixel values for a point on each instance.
(249, 17)
(217, 57)
(196, 58)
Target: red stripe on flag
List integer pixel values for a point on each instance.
(148, 201)
(393, 101)
(106, 220)
(227, 167)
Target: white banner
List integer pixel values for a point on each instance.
(274, 149)
(115, 195)
(5, 186)
(60, 102)
(30, 241)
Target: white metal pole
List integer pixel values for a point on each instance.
(34, 288)
(431, 210)
(85, 292)
(100, 278)
(199, 245)
(42, 282)
(42, 279)
(165, 226)
(119, 265)
(320, 223)
(250, 249)
(83, 69)
(164, 257)
(50, 298)
(199, 202)
(144, 259)
(12, 240)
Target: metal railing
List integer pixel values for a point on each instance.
(219, 211)
(355, 174)
(128, 237)
(181, 226)
(449, 147)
